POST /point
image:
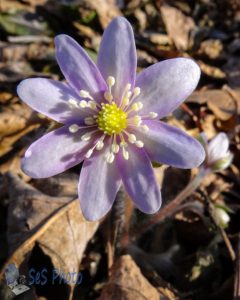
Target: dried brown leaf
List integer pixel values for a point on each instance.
(106, 10)
(219, 101)
(211, 48)
(14, 124)
(178, 26)
(127, 282)
(55, 223)
(212, 71)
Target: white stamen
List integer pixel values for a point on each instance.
(115, 148)
(152, 115)
(83, 104)
(139, 144)
(73, 103)
(136, 91)
(110, 81)
(110, 157)
(125, 101)
(73, 128)
(125, 153)
(127, 94)
(89, 153)
(92, 104)
(108, 96)
(99, 145)
(137, 120)
(136, 106)
(85, 94)
(132, 138)
(145, 128)
(86, 137)
(89, 121)
(128, 87)
(123, 144)
(126, 98)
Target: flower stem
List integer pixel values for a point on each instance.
(171, 207)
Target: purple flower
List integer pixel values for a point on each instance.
(218, 156)
(110, 119)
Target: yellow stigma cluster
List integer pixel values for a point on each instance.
(111, 119)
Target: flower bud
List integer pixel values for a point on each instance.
(218, 156)
(222, 163)
(221, 217)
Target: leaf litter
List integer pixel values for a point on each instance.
(184, 257)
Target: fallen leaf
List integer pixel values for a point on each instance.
(127, 282)
(14, 123)
(56, 224)
(211, 48)
(178, 26)
(5, 97)
(106, 10)
(212, 71)
(219, 101)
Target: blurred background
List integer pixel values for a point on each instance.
(187, 256)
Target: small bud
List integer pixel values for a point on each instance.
(222, 163)
(218, 156)
(221, 216)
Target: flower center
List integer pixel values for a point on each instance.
(111, 119)
(118, 122)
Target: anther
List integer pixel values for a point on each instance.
(139, 144)
(108, 96)
(128, 86)
(110, 157)
(73, 128)
(126, 98)
(92, 104)
(127, 94)
(83, 103)
(110, 81)
(145, 128)
(136, 91)
(137, 106)
(73, 103)
(132, 138)
(86, 137)
(89, 121)
(85, 94)
(137, 120)
(125, 154)
(125, 101)
(152, 115)
(115, 148)
(123, 144)
(99, 145)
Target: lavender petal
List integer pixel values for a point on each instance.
(169, 145)
(165, 85)
(78, 68)
(117, 55)
(139, 180)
